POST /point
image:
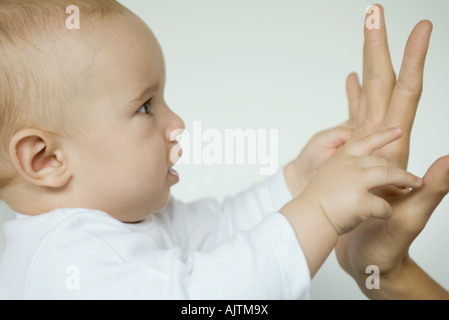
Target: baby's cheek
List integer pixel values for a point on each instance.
(155, 164)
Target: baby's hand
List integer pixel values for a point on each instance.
(342, 186)
(320, 147)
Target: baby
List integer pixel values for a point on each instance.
(86, 144)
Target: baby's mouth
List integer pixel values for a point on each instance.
(172, 171)
(173, 175)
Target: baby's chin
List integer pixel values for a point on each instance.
(157, 208)
(158, 204)
(164, 203)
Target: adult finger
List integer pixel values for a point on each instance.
(378, 74)
(354, 93)
(415, 208)
(408, 88)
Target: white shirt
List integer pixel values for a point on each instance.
(242, 249)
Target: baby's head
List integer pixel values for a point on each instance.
(83, 121)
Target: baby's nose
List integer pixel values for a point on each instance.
(175, 125)
(178, 122)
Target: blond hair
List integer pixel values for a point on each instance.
(34, 87)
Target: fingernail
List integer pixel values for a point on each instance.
(419, 182)
(370, 8)
(397, 129)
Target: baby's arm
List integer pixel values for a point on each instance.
(203, 224)
(249, 207)
(339, 197)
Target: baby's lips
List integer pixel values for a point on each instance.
(175, 154)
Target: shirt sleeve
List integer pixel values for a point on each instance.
(265, 262)
(202, 224)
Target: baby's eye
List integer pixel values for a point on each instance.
(146, 108)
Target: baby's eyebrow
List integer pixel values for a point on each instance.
(153, 88)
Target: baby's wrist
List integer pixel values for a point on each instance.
(296, 181)
(313, 230)
(323, 212)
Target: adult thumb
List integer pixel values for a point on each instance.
(419, 204)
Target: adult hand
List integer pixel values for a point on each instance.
(385, 243)
(385, 102)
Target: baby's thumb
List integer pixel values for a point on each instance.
(334, 137)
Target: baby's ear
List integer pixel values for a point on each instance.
(37, 159)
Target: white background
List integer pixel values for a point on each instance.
(282, 65)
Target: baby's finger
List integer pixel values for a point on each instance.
(391, 176)
(371, 162)
(380, 208)
(366, 145)
(334, 137)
